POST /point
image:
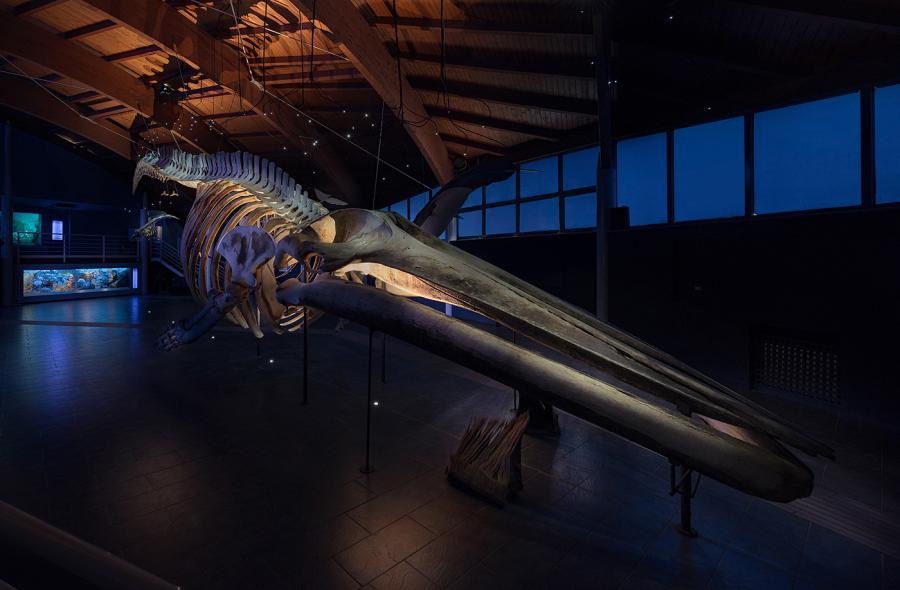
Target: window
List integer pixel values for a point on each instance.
(808, 156)
(505, 190)
(540, 215)
(642, 183)
(580, 168)
(539, 177)
(416, 204)
(887, 144)
(581, 211)
(500, 220)
(401, 207)
(469, 224)
(474, 199)
(709, 170)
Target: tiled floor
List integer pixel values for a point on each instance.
(203, 467)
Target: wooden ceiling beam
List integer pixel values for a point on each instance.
(229, 115)
(88, 30)
(33, 6)
(872, 15)
(134, 53)
(433, 24)
(490, 148)
(523, 64)
(317, 75)
(547, 102)
(364, 47)
(499, 124)
(229, 31)
(274, 61)
(340, 85)
(24, 96)
(37, 45)
(165, 26)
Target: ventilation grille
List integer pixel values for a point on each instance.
(798, 366)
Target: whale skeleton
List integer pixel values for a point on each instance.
(257, 248)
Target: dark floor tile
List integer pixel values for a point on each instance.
(402, 577)
(834, 560)
(378, 553)
(771, 535)
(740, 571)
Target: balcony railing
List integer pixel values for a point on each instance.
(72, 247)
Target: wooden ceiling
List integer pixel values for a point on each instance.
(303, 82)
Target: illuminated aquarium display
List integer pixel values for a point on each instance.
(26, 228)
(72, 281)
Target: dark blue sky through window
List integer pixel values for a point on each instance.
(416, 203)
(581, 211)
(540, 215)
(500, 220)
(887, 144)
(642, 178)
(505, 190)
(580, 168)
(544, 179)
(808, 156)
(709, 170)
(469, 224)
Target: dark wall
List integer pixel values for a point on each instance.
(698, 290)
(44, 170)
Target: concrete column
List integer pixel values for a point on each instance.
(606, 163)
(7, 259)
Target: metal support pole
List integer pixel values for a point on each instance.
(367, 468)
(7, 262)
(305, 355)
(383, 358)
(606, 161)
(685, 488)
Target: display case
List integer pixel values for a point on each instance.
(69, 281)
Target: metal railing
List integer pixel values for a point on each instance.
(166, 254)
(65, 247)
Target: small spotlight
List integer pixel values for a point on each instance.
(212, 337)
(271, 361)
(375, 403)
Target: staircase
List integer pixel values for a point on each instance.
(167, 255)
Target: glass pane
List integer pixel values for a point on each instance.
(474, 199)
(469, 224)
(709, 170)
(581, 211)
(641, 171)
(505, 190)
(539, 177)
(416, 204)
(580, 168)
(887, 144)
(401, 207)
(808, 156)
(500, 220)
(540, 215)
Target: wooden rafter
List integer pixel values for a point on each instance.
(88, 30)
(135, 53)
(165, 26)
(34, 6)
(367, 52)
(522, 64)
(494, 123)
(433, 24)
(482, 92)
(490, 148)
(37, 45)
(27, 97)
